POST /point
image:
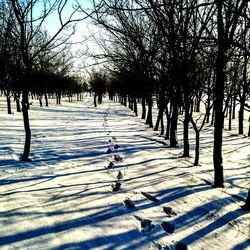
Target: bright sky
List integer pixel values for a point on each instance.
(83, 28)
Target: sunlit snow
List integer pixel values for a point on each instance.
(63, 199)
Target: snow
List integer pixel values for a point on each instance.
(63, 199)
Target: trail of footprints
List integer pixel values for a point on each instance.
(116, 160)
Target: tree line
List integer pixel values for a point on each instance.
(34, 62)
(179, 54)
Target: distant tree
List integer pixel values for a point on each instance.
(98, 84)
(130, 46)
(8, 53)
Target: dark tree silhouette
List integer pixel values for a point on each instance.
(98, 84)
(33, 41)
(226, 30)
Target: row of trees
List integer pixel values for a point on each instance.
(180, 53)
(31, 59)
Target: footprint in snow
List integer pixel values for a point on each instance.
(120, 175)
(180, 246)
(145, 225)
(109, 151)
(149, 196)
(177, 246)
(169, 211)
(156, 246)
(110, 165)
(128, 203)
(117, 158)
(116, 186)
(168, 227)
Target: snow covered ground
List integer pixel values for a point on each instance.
(64, 198)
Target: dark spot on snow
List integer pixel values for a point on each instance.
(168, 227)
(149, 196)
(181, 246)
(116, 186)
(128, 203)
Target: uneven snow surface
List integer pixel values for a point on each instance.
(71, 197)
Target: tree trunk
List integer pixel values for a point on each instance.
(143, 103)
(208, 105)
(249, 126)
(185, 129)
(58, 98)
(25, 110)
(162, 125)
(17, 98)
(213, 114)
(159, 118)
(130, 103)
(46, 100)
(149, 120)
(168, 116)
(125, 101)
(218, 105)
(173, 126)
(243, 97)
(167, 134)
(197, 147)
(8, 102)
(95, 97)
(135, 106)
(241, 116)
(100, 99)
(230, 115)
(234, 107)
(198, 104)
(40, 101)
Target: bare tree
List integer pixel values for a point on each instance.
(228, 15)
(98, 84)
(32, 41)
(134, 45)
(8, 53)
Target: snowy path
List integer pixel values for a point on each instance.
(63, 199)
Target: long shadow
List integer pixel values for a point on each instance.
(11, 192)
(110, 212)
(242, 246)
(54, 156)
(94, 220)
(165, 143)
(146, 161)
(151, 174)
(132, 239)
(172, 194)
(53, 201)
(105, 214)
(47, 177)
(216, 224)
